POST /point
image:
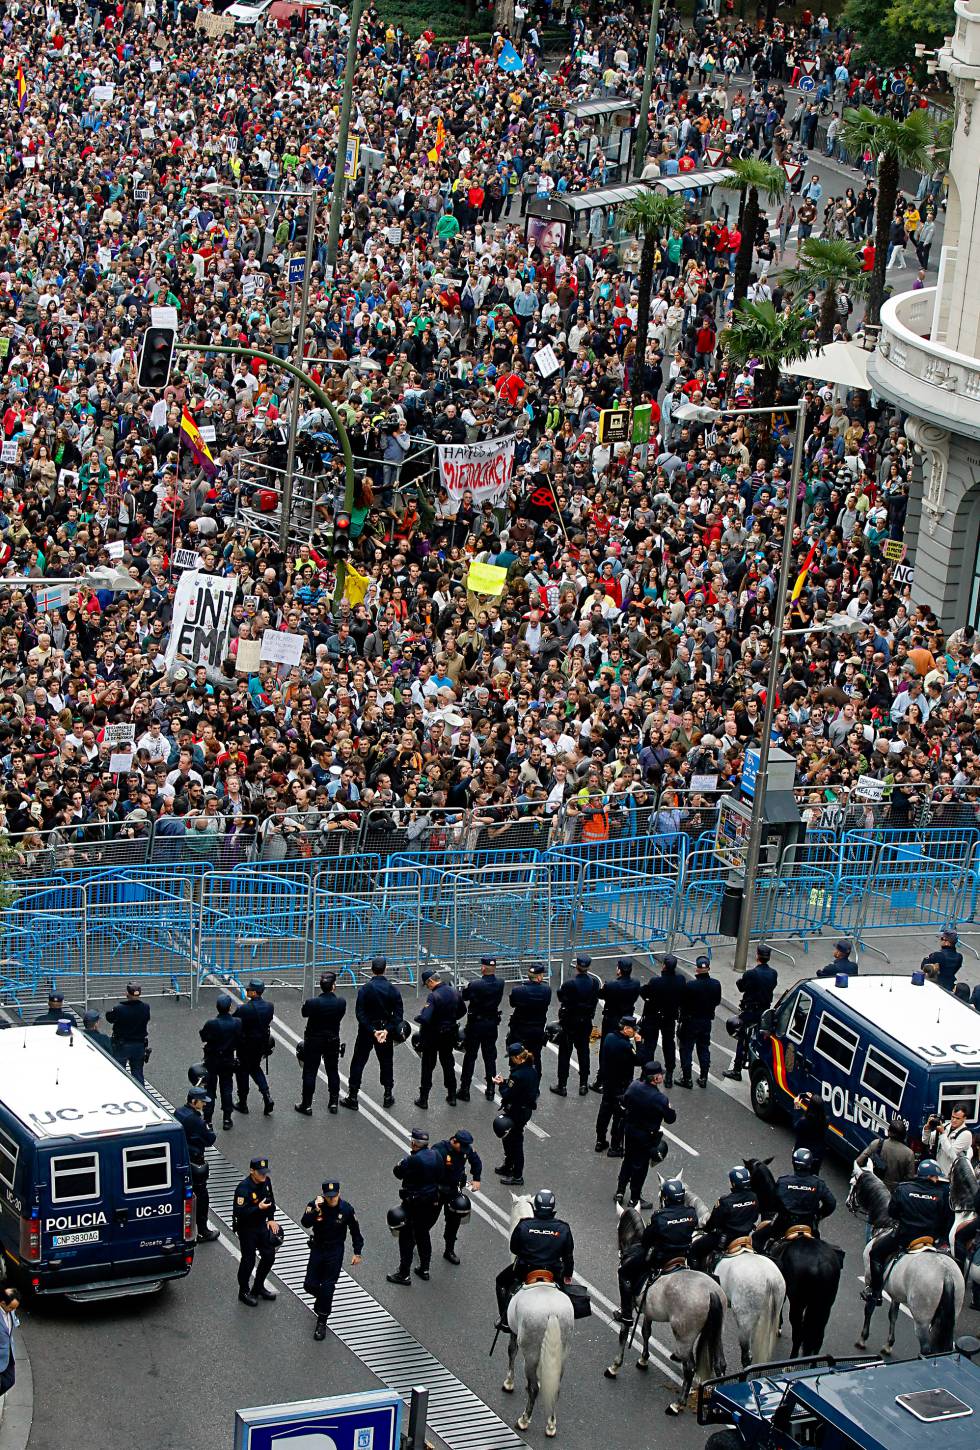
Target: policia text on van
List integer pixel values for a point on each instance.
(95, 1181)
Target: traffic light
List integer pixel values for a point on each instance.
(156, 358)
(341, 536)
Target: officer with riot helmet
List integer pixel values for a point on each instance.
(437, 1036)
(577, 1001)
(482, 999)
(518, 1099)
(321, 1043)
(944, 964)
(255, 1014)
(734, 1216)
(200, 1136)
(130, 1021)
(618, 996)
(757, 987)
(456, 1154)
(543, 1242)
(661, 998)
(221, 1036)
(918, 1208)
(529, 1003)
(420, 1172)
(380, 1016)
(667, 1237)
(803, 1196)
(328, 1219)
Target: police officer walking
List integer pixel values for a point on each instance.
(618, 997)
(56, 1012)
(437, 1036)
(577, 1001)
(947, 961)
(518, 1099)
(803, 1196)
(329, 1219)
(646, 1109)
(699, 1002)
(734, 1216)
(200, 1136)
(420, 1172)
(255, 1014)
(667, 1237)
(321, 1043)
(455, 1154)
(919, 1209)
(259, 1236)
(543, 1242)
(221, 1036)
(617, 1064)
(90, 1026)
(758, 987)
(130, 1020)
(661, 998)
(482, 998)
(841, 965)
(529, 1003)
(379, 1012)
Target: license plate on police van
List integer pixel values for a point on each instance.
(88, 1236)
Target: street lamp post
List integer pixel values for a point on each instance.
(642, 122)
(339, 178)
(286, 502)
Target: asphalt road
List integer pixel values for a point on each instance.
(173, 1369)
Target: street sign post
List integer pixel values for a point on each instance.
(750, 772)
(806, 83)
(614, 425)
(297, 270)
(732, 833)
(368, 1421)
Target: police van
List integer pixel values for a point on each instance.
(870, 1047)
(95, 1183)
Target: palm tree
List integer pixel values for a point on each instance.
(752, 178)
(650, 215)
(822, 262)
(896, 144)
(758, 333)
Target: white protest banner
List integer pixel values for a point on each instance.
(68, 478)
(121, 734)
(704, 782)
(869, 788)
(483, 469)
(208, 432)
(102, 93)
(546, 361)
(187, 559)
(116, 549)
(282, 649)
(9, 452)
(202, 619)
(163, 317)
(248, 656)
(119, 763)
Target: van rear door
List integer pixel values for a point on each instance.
(148, 1178)
(76, 1220)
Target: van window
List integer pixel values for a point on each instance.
(884, 1077)
(146, 1169)
(8, 1160)
(836, 1042)
(800, 1017)
(75, 1177)
(957, 1094)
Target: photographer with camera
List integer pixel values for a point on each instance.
(945, 1141)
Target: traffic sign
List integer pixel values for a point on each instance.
(714, 154)
(809, 66)
(732, 832)
(614, 425)
(368, 1421)
(750, 773)
(805, 84)
(351, 158)
(297, 270)
(898, 87)
(792, 169)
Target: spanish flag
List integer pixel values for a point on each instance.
(436, 151)
(199, 449)
(21, 88)
(801, 580)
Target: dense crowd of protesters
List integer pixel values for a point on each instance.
(626, 659)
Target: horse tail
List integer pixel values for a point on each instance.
(944, 1320)
(766, 1326)
(550, 1365)
(708, 1350)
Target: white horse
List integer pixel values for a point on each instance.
(540, 1319)
(963, 1199)
(756, 1292)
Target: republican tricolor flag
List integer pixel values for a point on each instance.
(199, 449)
(801, 579)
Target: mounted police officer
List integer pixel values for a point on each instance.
(529, 1003)
(734, 1216)
(646, 1109)
(667, 1238)
(577, 1000)
(618, 996)
(321, 1043)
(699, 1003)
(840, 964)
(803, 1196)
(618, 1064)
(329, 1219)
(518, 1099)
(758, 987)
(542, 1243)
(661, 998)
(130, 1020)
(200, 1136)
(456, 1154)
(482, 998)
(919, 1209)
(379, 1012)
(259, 1236)
(420, 1172)
(947, 961)
(221, 1036)
(437, 1036)
(255, 1014)
(90, 1026)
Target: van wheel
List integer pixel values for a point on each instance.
(764, 1107)
(724, 1440)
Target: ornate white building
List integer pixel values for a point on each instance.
(928, 363)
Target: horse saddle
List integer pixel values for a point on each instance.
(539, 1276)
(798, 1231)
(673, 1264)
(922, 1244)
(742, 1245)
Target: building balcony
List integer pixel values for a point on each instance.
(921, 376)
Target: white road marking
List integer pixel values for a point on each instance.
(666, 1131)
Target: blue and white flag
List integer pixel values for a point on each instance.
(509, 60)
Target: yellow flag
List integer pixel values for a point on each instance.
(355, 585)
(486, 579)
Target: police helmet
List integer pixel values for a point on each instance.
(502, 1125)
(897, 1126)
(402, 1032)
(459, 1206)
(659, 1153)
(417, 1042)
(740, 1177)
(545, 1204)
(928, 1168)
(396, 1219)
(224, 1003)
(196, 1073)
(802, 1160)
(672, 1191)
(553, 1032)
(733, 1026)
(949, 935)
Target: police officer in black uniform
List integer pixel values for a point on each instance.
(667, 1236)
(758, 987)
(379, 1011)
(661, 998)
(617, 1064)
(841, 965)
(456, 1153)
(645, 1109)
(321, 1043)
(55, 1012)
(577, 1001)
(90, 1026)
(437, 1036)
(542, 1242)
(130, 1020)
(699, 1002)
(200, 1136)
(255, 1014)
(259, 1236)
(482, 998)
(734, 1216)
(618, 997)
(947, 960)
(329, 1219)
(420, 1172)
(518, 1099)
(803, 1196)
(529, 1003)
(221, 1036)
(920, 1208)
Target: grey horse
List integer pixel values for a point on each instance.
(540, 1319)
(756, 1292)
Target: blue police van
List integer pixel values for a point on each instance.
(95, 1183)
(870, 1047)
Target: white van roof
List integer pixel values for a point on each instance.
(62, 1087)
(939, 1029)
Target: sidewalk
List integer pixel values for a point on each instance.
(17, 1408)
